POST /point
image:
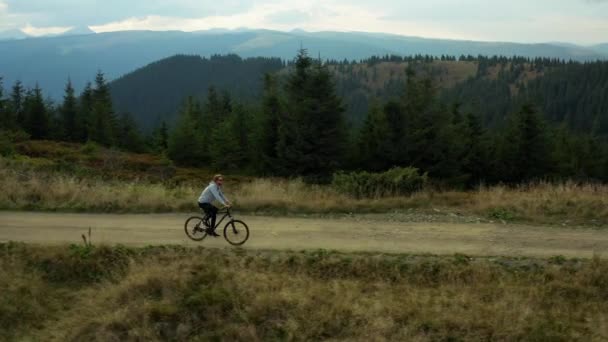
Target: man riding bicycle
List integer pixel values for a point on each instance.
(213, 192)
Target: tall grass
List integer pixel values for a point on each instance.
(31, 190)
(564, 203)
(172, 293)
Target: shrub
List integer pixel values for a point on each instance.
(500, 213)
(85, 264)
(8, 140)
(90, 148)
(6, 146)
(394, 182)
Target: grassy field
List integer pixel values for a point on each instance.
(26, 188)
(52, 176)
(173, 293)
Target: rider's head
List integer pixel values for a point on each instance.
(218, 179)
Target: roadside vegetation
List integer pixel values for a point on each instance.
(101, 293)
(101, 180)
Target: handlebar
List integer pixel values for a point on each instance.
(224, 210)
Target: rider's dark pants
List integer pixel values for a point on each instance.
(210, 210)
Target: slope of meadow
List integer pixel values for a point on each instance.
(54, 176)
(173, 293)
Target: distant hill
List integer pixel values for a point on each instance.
(491, 87)
(155, 92)
(51, 60)
(601, 48)
(13, 34)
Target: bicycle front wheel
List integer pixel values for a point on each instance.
(236, 232)
(195, 228)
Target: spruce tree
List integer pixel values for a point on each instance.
(229, 150)
(214, 108)
(85, 123)
(431, 139)
(397, 134)
(187, 140)
(55, 127)
(36, 120)
(311, 134)
(374, 143)
(289, 144)
(16, 103)
(267, 128)
(103, 120)
(475, 160)
(7, 119)
(129, 137)
(69, 114)
(160, 138)
(526, 149)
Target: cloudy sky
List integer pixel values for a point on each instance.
(577, 21)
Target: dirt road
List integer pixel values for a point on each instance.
(345, 234)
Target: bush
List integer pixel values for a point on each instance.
(394, 182)
(85, 264)
(90, 148)
(8, 140)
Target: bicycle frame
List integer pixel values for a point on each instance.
(226, 214)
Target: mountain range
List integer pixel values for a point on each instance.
(80, 53)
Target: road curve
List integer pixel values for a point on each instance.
(344, 234)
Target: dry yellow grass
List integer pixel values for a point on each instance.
(566, 203)
(171, 293)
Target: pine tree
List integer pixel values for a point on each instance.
(229, 150)
(187, 140)
(129, 137)
(526, 149)
(7, 119)
(103, 123)
(374, 142)
(160, 138)
(16, 103)
(311, 134)
(214, 108)
(85, 123)
(397, 134)
(475, 160)
(55, 127)
(289, 144)
(36, 120)
(431, 140)
(69, 114)
(266, 134)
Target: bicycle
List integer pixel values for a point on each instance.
(196, 226)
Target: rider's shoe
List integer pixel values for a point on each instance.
(212, 233)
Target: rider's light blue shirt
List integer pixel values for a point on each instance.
(212, 192)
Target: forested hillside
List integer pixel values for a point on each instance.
(48, 61)
(570, 92)
(156, 92)
(500, 125)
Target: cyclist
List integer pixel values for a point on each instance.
(213, 192)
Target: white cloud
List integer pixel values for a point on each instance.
(43, 31)
(5, 24)
(581, 21)
(315, 15)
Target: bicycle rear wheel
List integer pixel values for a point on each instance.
(236, 232)
(195, 228)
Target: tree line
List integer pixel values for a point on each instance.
(298, 127)
(89, 116)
